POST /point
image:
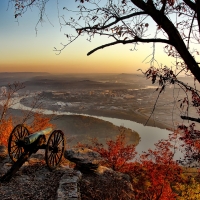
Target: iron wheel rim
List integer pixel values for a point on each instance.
(55, 149)
(15, 150)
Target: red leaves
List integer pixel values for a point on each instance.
(152, 73)
(171, 2)
(155, 172)
(19, 7)
(195, 99)
(191, 139)
(171, 51)
(6, 127)
(117, 154)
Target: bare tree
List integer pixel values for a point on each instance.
(128, 21)
(7, 94)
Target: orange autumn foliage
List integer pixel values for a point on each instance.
(6, 127)
(117, 155)
(155, 172)
(40, 122)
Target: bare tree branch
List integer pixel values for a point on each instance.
(118, 19)
(191, 118)
(174, 36)
(137, 39)
(163, 7)
(8, 94)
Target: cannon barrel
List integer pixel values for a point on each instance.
(33, 137)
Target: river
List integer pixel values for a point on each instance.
(149, 135)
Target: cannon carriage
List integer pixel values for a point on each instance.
(22, 144)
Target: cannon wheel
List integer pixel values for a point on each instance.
(55, 149)
(15, 149)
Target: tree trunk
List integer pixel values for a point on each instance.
(173, 34)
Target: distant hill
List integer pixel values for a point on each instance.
(129, 75)
(40, 81)
(10, 77)
(20, 74)
(61, 84)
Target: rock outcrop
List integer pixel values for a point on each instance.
(35, 181)
(105, 182)
(99, 181)
(89, 180)
(86, 159)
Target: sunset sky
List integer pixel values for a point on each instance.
(22, 50)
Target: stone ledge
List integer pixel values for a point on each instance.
(69, 186)
(85, 159)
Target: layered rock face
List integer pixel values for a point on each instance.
(98, 181)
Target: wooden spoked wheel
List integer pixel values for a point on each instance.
(15, 142)
(55, 149)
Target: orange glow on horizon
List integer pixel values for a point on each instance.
(73, 59)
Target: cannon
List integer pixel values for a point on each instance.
(22, 144)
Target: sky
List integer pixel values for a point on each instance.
(22, 50)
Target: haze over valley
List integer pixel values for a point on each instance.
(122, 96)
